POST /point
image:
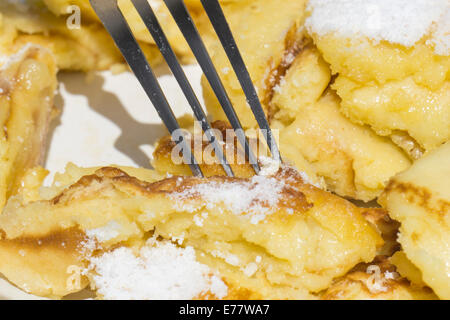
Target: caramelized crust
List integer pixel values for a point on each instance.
(420, 196)
(42, 265)
(419, 199)
(163, 163)
(295, 44)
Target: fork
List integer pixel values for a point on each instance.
(115, 23)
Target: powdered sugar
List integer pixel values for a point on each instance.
(87, 247)
(254, 198)
(269, 166)
(441, 35)
(162, 271)
(398, 21)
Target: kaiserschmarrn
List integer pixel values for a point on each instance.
(358, 97)
(265, 236)
(392, 70)
(297, 89)
(27, 88)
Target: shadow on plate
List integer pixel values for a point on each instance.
(134, 133)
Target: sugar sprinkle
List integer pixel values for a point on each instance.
(161, 271)
(402, 22)
(255, 198)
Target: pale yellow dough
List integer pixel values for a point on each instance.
(419, 199)
(27, 88)
(392, 88)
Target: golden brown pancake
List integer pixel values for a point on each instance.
(293, 82)
(419, 199)
(255, 237)
(279, 238)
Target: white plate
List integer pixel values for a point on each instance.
(106, 119)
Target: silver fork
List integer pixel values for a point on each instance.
(115, 23)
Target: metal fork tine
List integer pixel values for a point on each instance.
(190, 32)
(115, 23)
(223, 31)
(148, 16)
